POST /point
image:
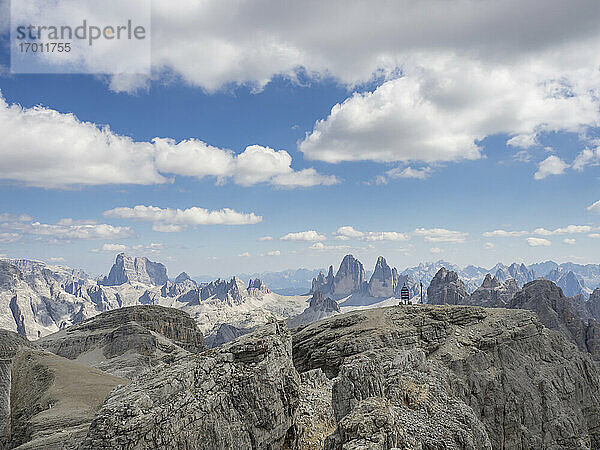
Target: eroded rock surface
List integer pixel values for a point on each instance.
(446, 289)
(128, 340)
(470, 378)
(242, 395)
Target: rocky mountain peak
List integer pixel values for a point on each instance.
(446, 288)
(492, 293)
(383, 280)
(322, 283)
(319, 308)
(257, 286)
(182, 277)
(350, 276)
(128, 269)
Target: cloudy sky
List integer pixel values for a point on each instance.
(274, 135)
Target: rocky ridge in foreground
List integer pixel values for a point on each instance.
(410, 376)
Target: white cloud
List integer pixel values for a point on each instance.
(488, 245)
(594, 207)
(14, 227)
(43, 147)
(441, 235)
(594, 235)
(8, 238)
(569, 241)
(173, 220)
(167, 227)
(111, 248)
(244, 255)
(442, 107)
(265, 238)
(310, 236)
(436, 250)
(504, 233)
(552, 165)
(409, 172)
(304, 178)
(384, 236)
(274, 253)
(213, 44)
(523, 141)
(537, 242)
(522, 156)
(570, 229)
(322, 247)
(56, 259)
(587, 158)
(346, 232)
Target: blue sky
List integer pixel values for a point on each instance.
(417, 160)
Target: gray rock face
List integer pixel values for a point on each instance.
(242, 395)
(568, 282)
(127, 269)
(10, 344)
(520, 273)
(181, 278)
(232, 292)
(315, 419)
(225, 333)
(446, 289)
(350, 277)
(472, 378)
(256, 287)
(322, 283)
(383, 281)
(593, 304)
(492, 293)
(38, 303)
(318, 308)
(557, 312)
(176, 289)
(127, 341)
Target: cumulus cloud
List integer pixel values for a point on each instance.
(441, 108)
(41, 147)
(13, 228)
(215, 44)
(587, 157)
(569, 241)
(110, 248)
(436, 250)
(310, 236)
(504, 233)
(409, 172)
(441, 235)
(173, 220)
(347, 232)
(570, 229)
(538, 242)
(274, 253)
(265, 238)
(488, 245)
(244, 255)
(552, 165)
